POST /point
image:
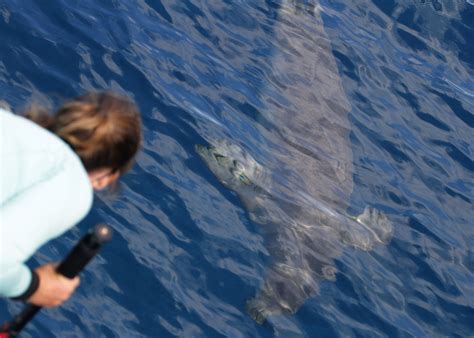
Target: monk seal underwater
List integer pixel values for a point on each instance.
(302, 237)
(301, 194)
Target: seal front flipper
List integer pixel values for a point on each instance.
(370, 228)
(378, 222)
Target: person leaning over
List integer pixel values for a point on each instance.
(49, 167)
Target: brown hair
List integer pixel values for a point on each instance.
(103, 128)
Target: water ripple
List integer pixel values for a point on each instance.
(186, 255)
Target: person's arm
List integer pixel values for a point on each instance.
(30, 219)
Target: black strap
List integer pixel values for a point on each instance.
(34, 284)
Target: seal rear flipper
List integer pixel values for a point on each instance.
(284, 291)
(261, 307)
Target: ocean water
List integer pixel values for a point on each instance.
(186, 256)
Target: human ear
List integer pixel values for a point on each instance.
(101, 178)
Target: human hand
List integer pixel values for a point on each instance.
(54, 289)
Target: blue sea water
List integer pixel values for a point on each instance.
(186, 256)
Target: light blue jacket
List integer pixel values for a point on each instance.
(44, 191)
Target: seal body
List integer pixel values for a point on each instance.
(303, 238)
(300, 193)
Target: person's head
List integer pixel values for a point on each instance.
(103, 128)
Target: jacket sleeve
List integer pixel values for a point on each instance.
(37, 215)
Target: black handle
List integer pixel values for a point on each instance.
(84, 251)
(70, 267)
